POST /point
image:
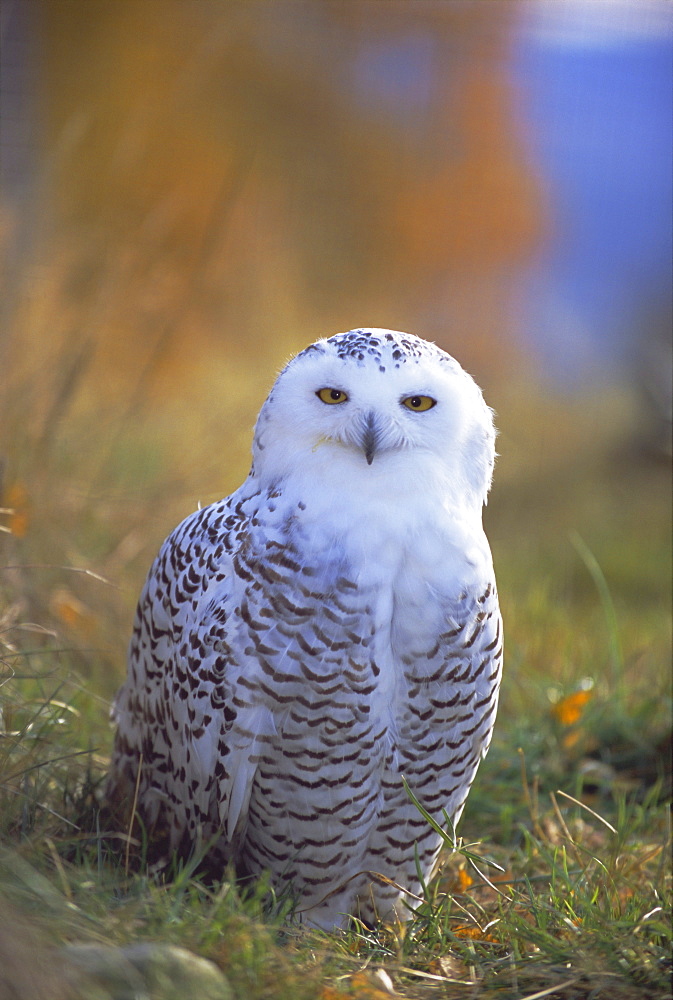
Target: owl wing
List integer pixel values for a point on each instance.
(180, 717)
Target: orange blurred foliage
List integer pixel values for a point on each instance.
(217, 181)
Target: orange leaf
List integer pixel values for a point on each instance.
(363, 988)
(472, 931)
(71, 611)
(19, 504)
(464, 879)
(569, 710)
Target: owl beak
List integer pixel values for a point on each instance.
(370, 436)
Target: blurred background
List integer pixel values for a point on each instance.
(193, 190)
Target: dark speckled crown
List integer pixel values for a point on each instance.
(380, 346)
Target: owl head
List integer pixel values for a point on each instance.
(376, 407)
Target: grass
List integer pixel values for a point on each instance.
(561, 884)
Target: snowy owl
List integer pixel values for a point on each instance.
(325, 632)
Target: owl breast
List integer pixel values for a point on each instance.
(371, 670)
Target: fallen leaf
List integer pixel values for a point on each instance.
(568, 711)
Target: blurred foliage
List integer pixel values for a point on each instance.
(216, 178)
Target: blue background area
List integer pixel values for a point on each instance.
(600, 126)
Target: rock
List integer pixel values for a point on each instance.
(149, 972)
(30, 967)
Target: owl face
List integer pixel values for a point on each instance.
(377, 403)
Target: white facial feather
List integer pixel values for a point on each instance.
(455, 439)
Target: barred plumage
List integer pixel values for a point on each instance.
(329, 628)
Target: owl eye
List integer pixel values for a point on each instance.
(331, 396)
(419, 403)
